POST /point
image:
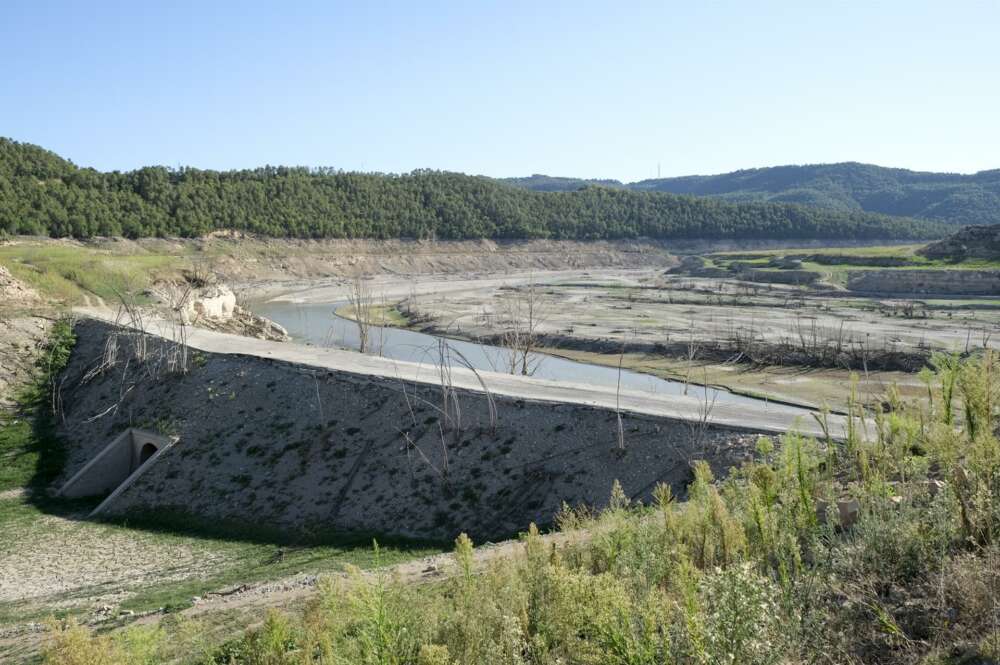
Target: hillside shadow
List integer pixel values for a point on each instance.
(52, 459)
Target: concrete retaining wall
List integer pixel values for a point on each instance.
(926, 282)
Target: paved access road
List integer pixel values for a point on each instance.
(767, 417)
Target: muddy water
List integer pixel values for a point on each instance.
(317, 324)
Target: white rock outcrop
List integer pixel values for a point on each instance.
(211, 302)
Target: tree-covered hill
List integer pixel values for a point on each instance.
(946, 197)
(41, 193)
(547, 183)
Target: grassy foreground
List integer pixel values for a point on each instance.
(882, 548)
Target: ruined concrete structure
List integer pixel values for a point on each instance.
(925, 282)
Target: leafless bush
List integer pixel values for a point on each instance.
(200, 274)
(692, 354)
(618, 399)
(449, 407)
(129, 345)
(522, 313)
(242, 294)
(698, 426)
(744, 341)
(178, 303)
(362, 301)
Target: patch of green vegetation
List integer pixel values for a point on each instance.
(67, 273)
(379, 315)
(18, 452)
(30, 453)
(866, 250)
(830, 274)
(908, 252)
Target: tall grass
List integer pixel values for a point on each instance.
(69, 273)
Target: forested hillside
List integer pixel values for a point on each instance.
(946, 197)
(41, 193)
(547, 183)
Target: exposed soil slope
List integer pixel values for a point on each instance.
(21, 334)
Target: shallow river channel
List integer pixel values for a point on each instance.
(317, 324)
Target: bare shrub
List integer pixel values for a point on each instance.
(521, 315)
(449, 407)
(701, 423)
(692, 353)
(131, 345)
(362, 302)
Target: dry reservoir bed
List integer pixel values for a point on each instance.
(785, 342)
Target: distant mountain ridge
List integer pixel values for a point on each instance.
(848, 186)
(545, 183)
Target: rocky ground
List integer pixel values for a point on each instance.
(53, 561)
(23, 330)
(788, 342)
(239, 259)
(211, 305)
(644, 310)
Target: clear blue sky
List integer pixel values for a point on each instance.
(505, 88)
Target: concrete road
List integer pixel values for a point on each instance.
(768, 417)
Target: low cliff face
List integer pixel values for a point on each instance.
(972, 242)
(278, 445)
(926, 282)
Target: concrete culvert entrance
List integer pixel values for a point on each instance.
(148, 450)
(119, 461)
